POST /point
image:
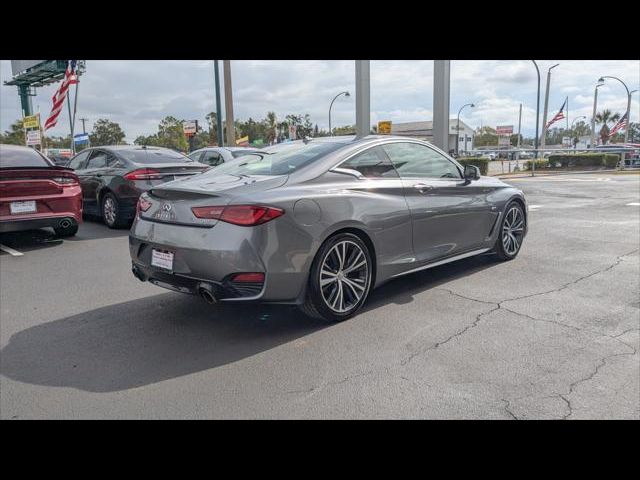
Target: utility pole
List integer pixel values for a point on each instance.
(518, 141)
(218, 104)
(84, 130)
(593, 118)
(441, 85)
(228, 103)
(543, 140)
(363, 105)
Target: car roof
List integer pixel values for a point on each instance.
(8, 146)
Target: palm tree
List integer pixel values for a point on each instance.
(272, 125)
(603, 118)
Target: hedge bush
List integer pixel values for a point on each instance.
(481, 163)
(540, 164)
(609, 160)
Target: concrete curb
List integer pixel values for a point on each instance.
(552, 174)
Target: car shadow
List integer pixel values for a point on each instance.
(149, 340)
(29, 240)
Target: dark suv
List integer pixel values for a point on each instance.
(113, 177)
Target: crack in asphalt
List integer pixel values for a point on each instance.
(507, 406)
(497, 306)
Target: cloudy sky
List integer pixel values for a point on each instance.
(138, 94)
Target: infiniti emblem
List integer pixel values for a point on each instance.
(166, 207)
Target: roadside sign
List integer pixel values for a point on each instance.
(384, 127)
(32, 121)
(65, 152)
(292, 132)
(81, 138)
(504, 129)
(190, 127)
(33, 137)
(243, 142)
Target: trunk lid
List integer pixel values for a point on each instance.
(172, 202)
(21, 182)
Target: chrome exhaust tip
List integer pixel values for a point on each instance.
(205, 291)
(138, 274)
(64, 223)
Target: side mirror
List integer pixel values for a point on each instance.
(471, 172)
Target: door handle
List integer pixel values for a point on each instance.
(423, 187)
(98, 174)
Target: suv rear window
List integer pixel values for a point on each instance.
(21, 157)
(152, 155)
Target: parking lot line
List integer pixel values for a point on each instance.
(11, 251)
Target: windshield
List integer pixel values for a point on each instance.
(153, 156)
(282, 159)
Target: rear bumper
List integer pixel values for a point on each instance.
(20, 224)
(213, 255)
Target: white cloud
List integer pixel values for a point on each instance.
(138, 94)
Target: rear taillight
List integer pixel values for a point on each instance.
(143, 205)
(66, 181)
(243, 215)
(143, 174)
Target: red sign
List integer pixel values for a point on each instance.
(504, 129)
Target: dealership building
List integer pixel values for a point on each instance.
(424, 131)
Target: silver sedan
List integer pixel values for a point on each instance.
(319, 223)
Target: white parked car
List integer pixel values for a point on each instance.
(215, 156)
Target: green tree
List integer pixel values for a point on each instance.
(171, 135)
(106, 132)
(604, 118)
(15, 134)
(634, 132)
(212, 120)
(485, 137)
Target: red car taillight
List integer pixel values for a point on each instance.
(243, 215)
(66, 181)
(248, 278)
(143, 205)
(143, 174)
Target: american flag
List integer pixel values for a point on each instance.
(622, 123)
(559, 115)
(59, 97)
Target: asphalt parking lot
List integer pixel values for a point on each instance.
(553, 334)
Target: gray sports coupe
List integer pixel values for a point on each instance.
(319, 223)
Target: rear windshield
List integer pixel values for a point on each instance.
(278, 160)
(242, 153)
(153, 156)
(14, 157)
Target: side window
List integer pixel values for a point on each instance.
(98, 160)
(414, 160)
(77, 162)
(195, 156)
(114, 162)
(372, 163)
(211, 157)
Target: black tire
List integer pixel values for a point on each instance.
(112, 215)
(70, 231)
(315, 305)
(504, 250)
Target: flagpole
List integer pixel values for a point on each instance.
(70, 121)
(73, 125)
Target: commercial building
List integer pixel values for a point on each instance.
(424, 131)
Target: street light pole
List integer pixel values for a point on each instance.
(346, 94)
(593, 118)
(216, 72)
(626, 130)
(533, 164)
(546, 108)
(458, 126)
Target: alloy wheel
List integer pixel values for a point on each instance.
(344, 276)
(513, 230)
(109, 210)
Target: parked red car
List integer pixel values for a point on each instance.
(35, 193)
